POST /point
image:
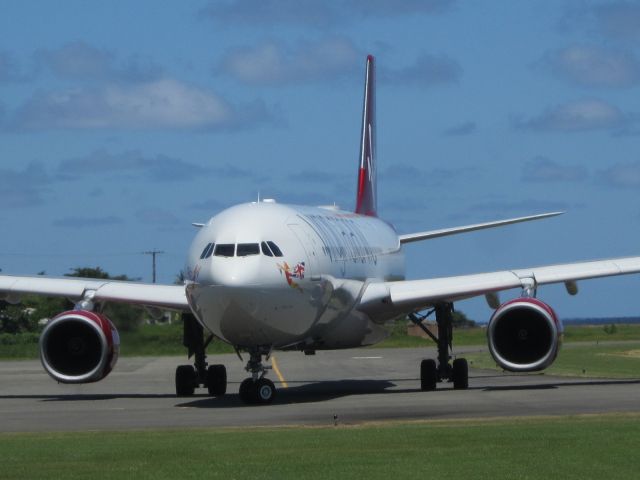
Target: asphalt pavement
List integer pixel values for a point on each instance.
(347, 387)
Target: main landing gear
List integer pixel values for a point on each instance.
(431, 372)
(190, 377)
(257, 389)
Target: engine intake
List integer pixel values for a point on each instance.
(79, 347)
(524, 335)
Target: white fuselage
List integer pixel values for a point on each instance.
(299, 293)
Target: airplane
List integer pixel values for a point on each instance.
(265, 276)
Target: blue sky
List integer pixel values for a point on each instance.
(123, 122)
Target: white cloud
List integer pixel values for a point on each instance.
(100, 162)
(162, 104)
(581, 115)
(543, 170)
(461, 129)
(10, 69)
(385, 8)
(427, 70)
(625, 175)
(24, 188)
(312, 13)
(157, 216)
(619, 19)
(87, 222)
(273, 63)
(79, 60)
(595, 66)
(498, 208)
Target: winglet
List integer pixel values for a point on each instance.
(366, 198)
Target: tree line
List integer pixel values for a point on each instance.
(33, 310)
(31, 313)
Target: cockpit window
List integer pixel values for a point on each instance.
(224, 250)
(274, 248)
(266, 250)
(245, 249)
(208, 250)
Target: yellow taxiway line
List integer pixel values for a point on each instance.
(274, 364)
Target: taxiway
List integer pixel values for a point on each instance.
(346, 387)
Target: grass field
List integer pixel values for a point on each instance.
(167, 340)
(146, 340)
(607, 360)
(563, 447)
(478, 336)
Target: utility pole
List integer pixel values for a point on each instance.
(153, 254)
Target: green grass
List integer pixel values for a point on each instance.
(598, 333)
(19, 345)
(561, 447)
(158, 340)
(462, 337)
(584, 360)
(147, 340)
(478, 336)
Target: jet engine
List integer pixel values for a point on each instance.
(524, 335)
(79, 346)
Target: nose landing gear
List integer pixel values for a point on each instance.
(257, 389)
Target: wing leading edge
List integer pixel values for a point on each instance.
(381, 298)
(415, 237)
(75, 289)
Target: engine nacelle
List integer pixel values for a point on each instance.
(79, 347)
(524, 335)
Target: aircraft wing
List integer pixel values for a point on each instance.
(409, 295)
(443, 232)
(146, 294)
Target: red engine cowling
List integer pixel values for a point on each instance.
(524, 335)
(79, 347)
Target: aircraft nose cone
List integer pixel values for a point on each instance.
(233, 274)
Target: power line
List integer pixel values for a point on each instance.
(153, 254)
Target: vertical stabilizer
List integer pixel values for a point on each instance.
(366, 198)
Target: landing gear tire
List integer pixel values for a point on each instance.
(460, 374)
(428, 375)
(247, 391)
(265, 391)
(217, 380)
(186, 379)
(261, 391)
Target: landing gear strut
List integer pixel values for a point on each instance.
(257, 389)
(190, 377)
(432, 373)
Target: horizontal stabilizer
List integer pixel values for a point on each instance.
(415, 237)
